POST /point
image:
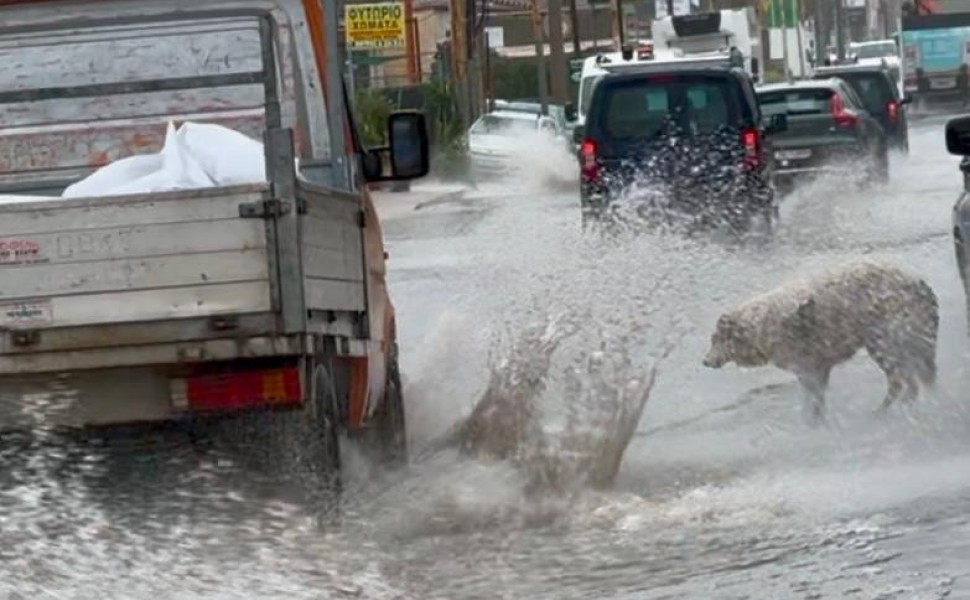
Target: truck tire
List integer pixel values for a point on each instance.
(390, 427)
(324, 423)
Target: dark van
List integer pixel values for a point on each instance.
(692, 132)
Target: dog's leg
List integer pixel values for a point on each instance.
(885, 354)
(897, 388)
(814, 384)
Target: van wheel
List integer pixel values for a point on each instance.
(389, 423)
(960, 251)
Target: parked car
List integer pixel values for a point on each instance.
(829, 131)
(495, 137)
(691, 127)
(958, 143)
(881, 95)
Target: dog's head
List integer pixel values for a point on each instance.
(732, 341)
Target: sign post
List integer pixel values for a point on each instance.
(374, 25)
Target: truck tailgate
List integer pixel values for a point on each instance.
(69, 264)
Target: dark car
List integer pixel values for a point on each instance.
(875, 85)
(690, 133)
(829, 131)
(958, 143)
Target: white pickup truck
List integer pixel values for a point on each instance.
(195, 304)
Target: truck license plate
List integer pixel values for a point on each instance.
(942, 83)
(792, 154)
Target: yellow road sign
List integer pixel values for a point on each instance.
(375, 25)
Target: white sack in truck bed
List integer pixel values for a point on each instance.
(197, 155)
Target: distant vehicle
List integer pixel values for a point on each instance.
(958, 143)
(879, 53)
(698, 33)
(690, 125)
(875, 49)
(494, 138)
(875, 87)
(556, 112)
(936, 55)
(829, 131)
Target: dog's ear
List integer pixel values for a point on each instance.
(727, 324)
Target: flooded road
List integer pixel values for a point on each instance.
(724, 493)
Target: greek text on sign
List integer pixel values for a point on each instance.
(20, 251)
(378, 25)
(25, 313)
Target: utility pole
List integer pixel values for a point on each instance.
(617, 6)
(558, 70)
(413, 60)
(574, 25)
(540, 57)
(459, 57)
(784, 39)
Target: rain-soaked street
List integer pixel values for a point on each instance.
(725, 492)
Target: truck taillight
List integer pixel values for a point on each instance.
(892, 110)
(843, 117)
(751, 141)
(237, 390)
(589, 168)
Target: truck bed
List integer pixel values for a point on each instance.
(175, 277)
(72, 267)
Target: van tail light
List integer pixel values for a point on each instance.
(842, 116)
(892, 109)
(751, 140)
(589, 168)
(237, 390)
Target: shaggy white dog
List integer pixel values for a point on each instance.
(810, 325)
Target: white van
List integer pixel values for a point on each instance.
(594, 68)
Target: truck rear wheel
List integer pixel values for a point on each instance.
(389, 423)
(323, 419)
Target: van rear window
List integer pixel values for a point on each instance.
(795, 102)
(640, 108)
(874, 89)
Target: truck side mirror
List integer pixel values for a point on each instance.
(570, 110)
(406, 155)
(958, 136)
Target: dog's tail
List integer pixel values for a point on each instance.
(925, 350)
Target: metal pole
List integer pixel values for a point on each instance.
(798, 38)
(540, 58)
(342, 174)
(557, 54)
(819, 38)
(839, 31)
(784, 38)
